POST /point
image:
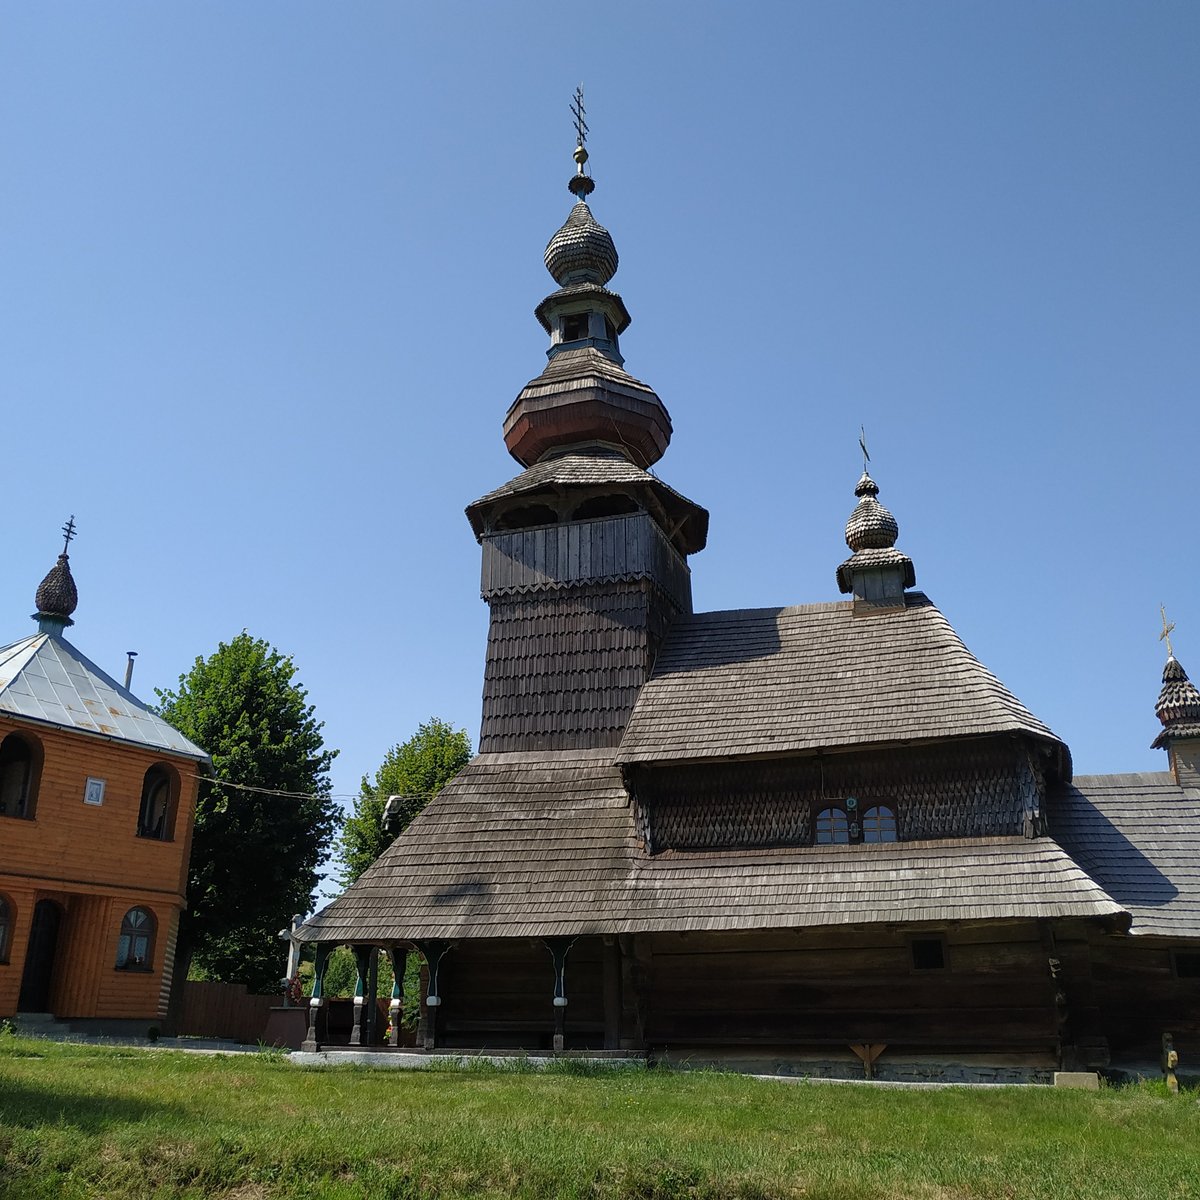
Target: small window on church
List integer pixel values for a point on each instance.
(575, 327)
(156, 812)
(6, 924)
(833, 827)
(610, 330)
(879, 825)
(928, 954)
(18, 776)
(1187, 964)
(135, 947)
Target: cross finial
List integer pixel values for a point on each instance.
(1168, 626)
(579, 112)
(68, 532)
(862, 442)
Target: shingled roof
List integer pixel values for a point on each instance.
(1138, 836)
(44, 678)
(787, 680)
(597, 466)
(540, 845)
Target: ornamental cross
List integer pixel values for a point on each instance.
(578, 112)
(862, 442)
(68, 532)
(1168, 626)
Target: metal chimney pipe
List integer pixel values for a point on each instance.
(129, 668)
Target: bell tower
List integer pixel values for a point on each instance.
(585, 552)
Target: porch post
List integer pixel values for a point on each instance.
(362, 961)
(612, 992)
(559, 947)
(432, 951)
(399, 958)
(321, 960)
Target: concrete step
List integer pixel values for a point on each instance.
(41, 1025)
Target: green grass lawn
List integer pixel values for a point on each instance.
(85, 1122)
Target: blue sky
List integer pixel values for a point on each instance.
(269, 272)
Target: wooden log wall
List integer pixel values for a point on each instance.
(1141, 996)
(500, 994)
(835, 988)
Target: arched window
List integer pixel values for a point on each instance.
(879, 825)
(527, 517)
(135, 947)
(6, 924)
(155, 817)
(19, 761)
(832, 827)
(605, 506)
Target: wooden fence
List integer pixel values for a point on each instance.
(223, 1010)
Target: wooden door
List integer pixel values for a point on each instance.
(38, 974)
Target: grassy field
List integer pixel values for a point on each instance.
(85, 1122)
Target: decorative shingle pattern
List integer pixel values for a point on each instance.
(539, 845)
(582, 250)
(775, 680)
(1178, 705)
(44, 678)
(56, 595)
(1138, 836)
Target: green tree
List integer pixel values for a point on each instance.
(417, 770)
(254, 854)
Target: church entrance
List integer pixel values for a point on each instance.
(38, 974)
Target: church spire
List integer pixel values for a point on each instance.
(585, 396)
(1178, 708)
(56, 597)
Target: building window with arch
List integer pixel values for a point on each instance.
(833, 827)
(879, 825)
(6, 924)
(157, 812)
(135, 946)
(19, 760)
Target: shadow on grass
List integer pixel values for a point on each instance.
(29, 1106)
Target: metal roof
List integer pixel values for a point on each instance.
(44, 678)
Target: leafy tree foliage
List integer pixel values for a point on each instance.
(417, 770)
(254, 856)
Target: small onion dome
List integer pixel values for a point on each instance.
(56, 595)
(871, 526)
(582, 251)
(1179, 701)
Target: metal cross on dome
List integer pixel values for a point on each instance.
(1168, 626)
(68, 532)
(862, 441)
(579, 112)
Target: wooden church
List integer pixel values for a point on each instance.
(823, 837)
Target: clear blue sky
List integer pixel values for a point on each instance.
(268, 273)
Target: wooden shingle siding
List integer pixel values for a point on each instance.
(564, 666)
(774, 680)
(968, 788)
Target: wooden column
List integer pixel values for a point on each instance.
(311, 1042)
(1083, 1044)
(636, 965)
(612, 993)
(362, 960)
(559, 948)
(432, 951)
(399, 959)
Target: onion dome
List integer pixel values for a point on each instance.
(871, 526)
(582, 251)
(56, 597)
(876, 572)
(1178, 706)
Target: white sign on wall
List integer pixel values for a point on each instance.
(93, 792)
